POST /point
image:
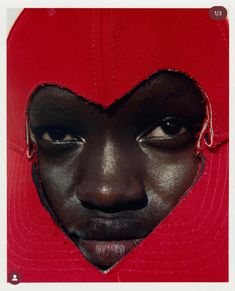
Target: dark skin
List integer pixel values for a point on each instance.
(110, 176)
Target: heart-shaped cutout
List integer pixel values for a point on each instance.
(109, 176)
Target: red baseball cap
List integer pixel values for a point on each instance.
(101, 54)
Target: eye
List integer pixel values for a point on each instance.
(169, 132)
(56, 136)
(168, 127)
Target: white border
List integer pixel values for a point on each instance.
(117, 3)
(5, 25)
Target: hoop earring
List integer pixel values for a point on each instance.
(207, 132)
(30, 151)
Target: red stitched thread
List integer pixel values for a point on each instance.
(112, 52)
(93, 53)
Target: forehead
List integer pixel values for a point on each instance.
(168, 91)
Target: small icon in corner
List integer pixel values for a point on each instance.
(218, 13)
(14, 278)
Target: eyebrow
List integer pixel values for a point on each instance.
(49, 108)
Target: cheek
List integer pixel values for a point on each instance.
(168, 176)
(58, 179)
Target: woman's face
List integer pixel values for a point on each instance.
(110, 176)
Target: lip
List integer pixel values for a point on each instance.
(105, 254)
(104, 241)
(110, 229)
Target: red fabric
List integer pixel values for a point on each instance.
(101, 54)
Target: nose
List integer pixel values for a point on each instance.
(110, 178)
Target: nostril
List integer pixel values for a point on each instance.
(117, 207)
(134, 205)
(88, 205)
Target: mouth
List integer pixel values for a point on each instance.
(104, 254)
(105, 241)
